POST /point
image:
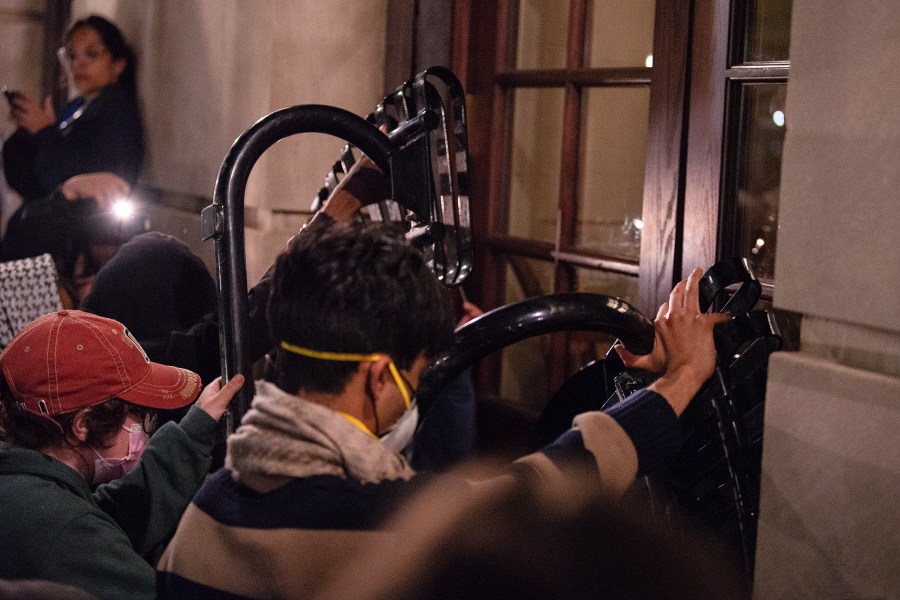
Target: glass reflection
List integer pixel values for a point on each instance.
(587, 346)
(617, 285)
(536, 148)
(612, 184)
(524, 374)
(542, 34)
(768, 30)
(621, 33)
(759, 169)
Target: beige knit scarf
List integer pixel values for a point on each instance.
(285, 436)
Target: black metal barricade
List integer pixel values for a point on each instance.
(716, 476)
(424, 154)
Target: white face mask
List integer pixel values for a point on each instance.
(399, 436)
(108, 469)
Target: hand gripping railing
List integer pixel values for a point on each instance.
(513, 323)
(743, 346)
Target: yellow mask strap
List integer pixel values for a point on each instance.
(325, 355)
(350, 357)
(359, 424)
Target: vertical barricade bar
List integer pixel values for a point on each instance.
(224, 220)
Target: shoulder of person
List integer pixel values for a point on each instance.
(113, 96)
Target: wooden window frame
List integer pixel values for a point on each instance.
(717, 74)
(491, 84)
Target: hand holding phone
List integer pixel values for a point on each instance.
(27, 113)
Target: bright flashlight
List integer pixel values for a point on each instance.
(123, 208)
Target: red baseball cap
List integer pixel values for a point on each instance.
(71, 359)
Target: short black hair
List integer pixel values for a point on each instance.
(354, 288)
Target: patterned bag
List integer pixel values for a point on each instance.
(27, 291)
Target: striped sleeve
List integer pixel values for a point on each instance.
(631, 439)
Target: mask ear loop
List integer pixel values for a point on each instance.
(350, 357)
(377, 431)
(401, 384)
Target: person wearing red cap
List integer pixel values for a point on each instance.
(87, 496)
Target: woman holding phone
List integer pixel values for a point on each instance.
(98, 132)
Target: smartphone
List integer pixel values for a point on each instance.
(10, 95)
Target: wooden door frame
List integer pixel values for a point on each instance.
(477, 57)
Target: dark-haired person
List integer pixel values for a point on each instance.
(71, 225)
(99, 131)
(358, 317)
(87, 495)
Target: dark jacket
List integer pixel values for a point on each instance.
(55, 528)
(108, 136)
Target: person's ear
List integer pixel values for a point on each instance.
(119, 67)
(79, 428)
(379, 376)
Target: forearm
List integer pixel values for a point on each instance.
(364, 184)
(635, 437)
(678, 387)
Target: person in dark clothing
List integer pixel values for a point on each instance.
(166, 297)
(75, 226)
(155, 285)
(527, 540)
(99, 131)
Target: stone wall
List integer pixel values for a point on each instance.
(208, 69)
(21, 32)
(830, 504)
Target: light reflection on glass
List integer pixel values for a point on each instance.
(759, 182)
(611, 194)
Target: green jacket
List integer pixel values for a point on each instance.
(53, 527)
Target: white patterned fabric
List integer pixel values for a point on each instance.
(27, 291)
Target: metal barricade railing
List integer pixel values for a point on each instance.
(424, 154)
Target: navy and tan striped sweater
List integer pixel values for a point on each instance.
(236, 543)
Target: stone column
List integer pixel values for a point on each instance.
(830, 504)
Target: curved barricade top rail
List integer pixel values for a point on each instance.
(536, 316)
(224, 219)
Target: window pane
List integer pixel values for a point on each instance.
(587, 346)
(609, 284)
(621, 33)
(523, 377)
(759, 169)
(768, 30)
(543, 32)
(536, 147)
(612, 181)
